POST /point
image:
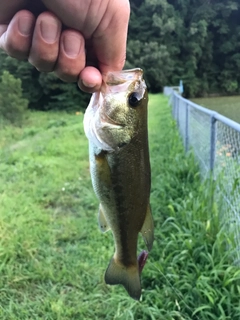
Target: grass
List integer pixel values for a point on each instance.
(52, 256)
(227, 106)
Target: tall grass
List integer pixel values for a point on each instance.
(52, 256)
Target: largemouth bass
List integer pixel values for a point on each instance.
(115, 124)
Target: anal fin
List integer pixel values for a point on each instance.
(148, 229)
(142, 258)
(102, 222)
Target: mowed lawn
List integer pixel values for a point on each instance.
(227, 106)
(53, 257)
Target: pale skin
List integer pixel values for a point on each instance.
(79, 40)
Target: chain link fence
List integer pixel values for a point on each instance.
(215, 141)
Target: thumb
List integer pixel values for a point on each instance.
(110, 39)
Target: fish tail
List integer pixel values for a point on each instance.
(129, 277)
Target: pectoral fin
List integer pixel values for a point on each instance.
(148, 229)
(102, 222)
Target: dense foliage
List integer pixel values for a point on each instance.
(44, 91)
(193, 40)
(197, 41)
(12, 103)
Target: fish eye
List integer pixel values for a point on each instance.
(133, 99)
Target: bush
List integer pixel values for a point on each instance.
(59, 95)
(44, 91)
(12, 104)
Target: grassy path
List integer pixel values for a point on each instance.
(52, 256)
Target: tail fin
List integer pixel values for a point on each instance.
(117, 273)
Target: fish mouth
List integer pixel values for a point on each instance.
(109, 122)
(119, 77)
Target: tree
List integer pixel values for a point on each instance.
(197, 41)
(44, 91)
(193, 40)
(12, 104)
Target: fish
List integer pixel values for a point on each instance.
(115, 123)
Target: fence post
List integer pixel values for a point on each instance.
(187, 128)
(212, 142)
(175, 105)
(177, 110)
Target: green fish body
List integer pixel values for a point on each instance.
(116, 126)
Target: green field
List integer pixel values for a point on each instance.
(227, 106)
(53, 257)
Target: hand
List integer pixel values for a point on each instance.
(77, 39)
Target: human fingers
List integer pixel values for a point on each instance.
(45, 42)
(90, 79)
(16, 38)
(104, 23)
(71, 57)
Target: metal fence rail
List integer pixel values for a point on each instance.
(215, 141)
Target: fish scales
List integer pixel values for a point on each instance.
(123, 196)
(120, 171)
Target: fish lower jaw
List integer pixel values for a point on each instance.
(111, 125)
(108, 122)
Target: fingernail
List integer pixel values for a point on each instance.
(71, 45)
(89, 85)
(25, 26)
(49, 30)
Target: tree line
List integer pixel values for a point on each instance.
(197, 41)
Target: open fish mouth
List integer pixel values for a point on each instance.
(110, 123)
(118, 78)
